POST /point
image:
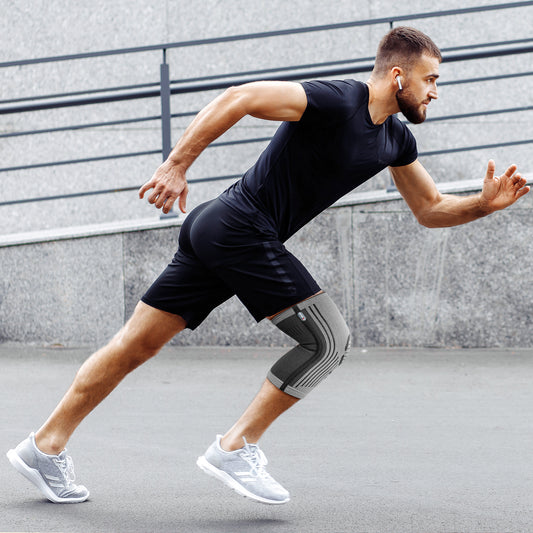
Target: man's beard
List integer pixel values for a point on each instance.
(410, 107)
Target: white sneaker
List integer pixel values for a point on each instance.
(53, 475)
(244, 471)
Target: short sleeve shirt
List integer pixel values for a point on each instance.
(311, 163)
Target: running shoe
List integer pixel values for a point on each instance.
(53, 475)
(244, 471)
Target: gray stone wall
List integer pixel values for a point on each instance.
(397, 283)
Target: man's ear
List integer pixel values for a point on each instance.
(397, 77)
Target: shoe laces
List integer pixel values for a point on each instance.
(66, 466)
(256, 459)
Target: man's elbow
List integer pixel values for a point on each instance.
(429, 213)
(235, 101)
(427, 219)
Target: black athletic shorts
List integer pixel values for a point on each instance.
(222, 254)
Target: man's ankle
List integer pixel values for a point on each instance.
(229, 444)
(48, 445)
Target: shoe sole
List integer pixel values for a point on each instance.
(215, 472)
(33, 475)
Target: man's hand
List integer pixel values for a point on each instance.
(169, 183)
(503, 191)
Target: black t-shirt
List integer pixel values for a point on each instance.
(311, 163)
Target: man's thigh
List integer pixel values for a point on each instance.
(188, 289)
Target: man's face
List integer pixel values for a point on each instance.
(419, 88)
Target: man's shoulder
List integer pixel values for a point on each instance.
(405, 139)
(398, 126)
(335, 99)
(338, 87)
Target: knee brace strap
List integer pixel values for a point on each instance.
(324, 339)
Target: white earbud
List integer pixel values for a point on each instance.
(399, 81)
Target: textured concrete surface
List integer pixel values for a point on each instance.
(62, 292)
(402, 441)
(34, 29)
(396, 282)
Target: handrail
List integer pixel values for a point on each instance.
(428, 153)
(274, 33)
(245, 73)
(246, 141)
(213, 82)
(225, 83)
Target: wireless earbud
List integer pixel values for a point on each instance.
(399, 81)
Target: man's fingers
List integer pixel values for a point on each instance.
(155, 196)
(167, 205)
(510, 171)
(183, 200)
(167, 185)
(165, 200)
(491, 168)
(521, 192)
(144, 188)
(519, 180)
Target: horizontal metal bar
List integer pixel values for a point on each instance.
(79, 93)
(485, 54)
(67, 196)
(486, 78)
(247, 141)
(472, 148)
(77, 161)
(268, 34)
(294, 68)
(194, 113)
(80, 126)
(347, 69)
(94, 125)
(79, 101)
(300, 74)
(483, 45)
(236, 176)
(103, 191)
(235, 75)
(122, 156)
(480, 113)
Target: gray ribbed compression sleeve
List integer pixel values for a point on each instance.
(323, 337)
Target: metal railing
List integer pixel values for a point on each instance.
(165, 87)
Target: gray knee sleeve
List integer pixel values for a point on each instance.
(324, 340)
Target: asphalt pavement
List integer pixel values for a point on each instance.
(396, 440)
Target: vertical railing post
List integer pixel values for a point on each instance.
(166, 135)
(165, 107)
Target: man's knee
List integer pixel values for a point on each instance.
(144, 334)
(151, 328)
(324, 340)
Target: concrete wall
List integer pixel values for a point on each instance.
(39, 29)
(397, 283)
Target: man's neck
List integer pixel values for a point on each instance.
(381, 103)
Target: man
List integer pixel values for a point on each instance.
(334, 136)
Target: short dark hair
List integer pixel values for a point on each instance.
(400, 46)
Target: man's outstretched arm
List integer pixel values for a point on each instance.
(436, 210)
(267, 100)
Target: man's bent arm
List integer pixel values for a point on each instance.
(266, 100)
(435, 210)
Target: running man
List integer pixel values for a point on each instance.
(334, 136)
